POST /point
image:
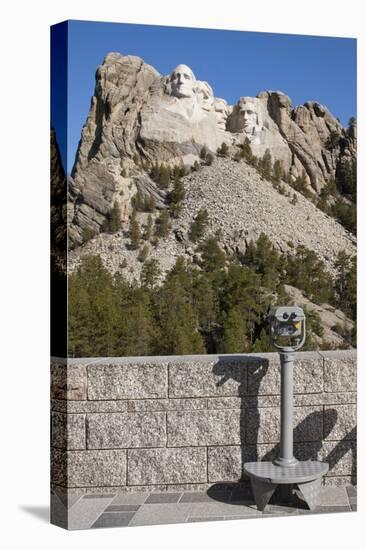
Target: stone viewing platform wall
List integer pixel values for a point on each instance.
(190, 422)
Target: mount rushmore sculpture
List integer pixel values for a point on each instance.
(138, 114)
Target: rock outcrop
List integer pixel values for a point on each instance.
(139, 117)
(241, 206)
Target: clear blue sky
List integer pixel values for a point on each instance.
(235, 63)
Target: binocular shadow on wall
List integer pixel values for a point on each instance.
(260, 423)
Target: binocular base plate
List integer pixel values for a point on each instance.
(266, 476)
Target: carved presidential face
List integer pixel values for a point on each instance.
(182, 82)
(249, 116)
(221, 111)
(205, 95)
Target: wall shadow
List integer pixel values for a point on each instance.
(249, 376)
(248, 372)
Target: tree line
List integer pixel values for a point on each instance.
(217, 304)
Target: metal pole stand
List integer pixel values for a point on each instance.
(286, 470)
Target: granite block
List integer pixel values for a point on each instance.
(68, 381)
(119, 430)
(154, 466)
(127, 381)
(196, 428)
(68, 431)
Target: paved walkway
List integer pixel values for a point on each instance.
(128, 509)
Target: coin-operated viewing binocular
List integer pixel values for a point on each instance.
(287, 327)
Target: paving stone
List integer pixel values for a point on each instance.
(58, 512)
(89, 468)
(86, 511)
(203, 509)
(224, 463)
(67, 497)
(278, 509)
(333, 496)
(127, 381)
(68, 431)
(203, 497)
(161, 514)
(122, 508)
(330, 509)
(114, 519)
(209, 377)
(99, 495)
(244, 496)
(340, 374)
(68, 381)
(351, 491)
(343, 423)
(214, 427)
(166, 404)
(119, 430)
(154, 466)
(161, 498)
(247, 516)
(207, 518)
(130, 498)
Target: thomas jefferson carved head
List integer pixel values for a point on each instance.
(182, 82)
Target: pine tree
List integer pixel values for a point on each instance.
(176, 197)
(234, 339)
(277, 171)
(203, 153)
(113, 222)
(213, 258)
(262, 258)
(247, 150)
(198, 226)
(163, 224)
(134, 231)
(149, 228)
(150, 273)
(265, 165)
(92, 309)
(209, 159)
(262, 344)
(223, 151)
(307, 272)
(164, 176)
(143, 254)
(178, 322)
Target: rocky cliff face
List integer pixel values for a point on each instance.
(139, 117)
(241, 206)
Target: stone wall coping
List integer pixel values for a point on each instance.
(179, 359)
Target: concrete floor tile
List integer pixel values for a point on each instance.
(161, 498)
(113, 519)
(351, 491)
(203, 497)
(220, 509)
(161, 514)
(86, 511)
(333, 496)
(130, 498)
(122, 508)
